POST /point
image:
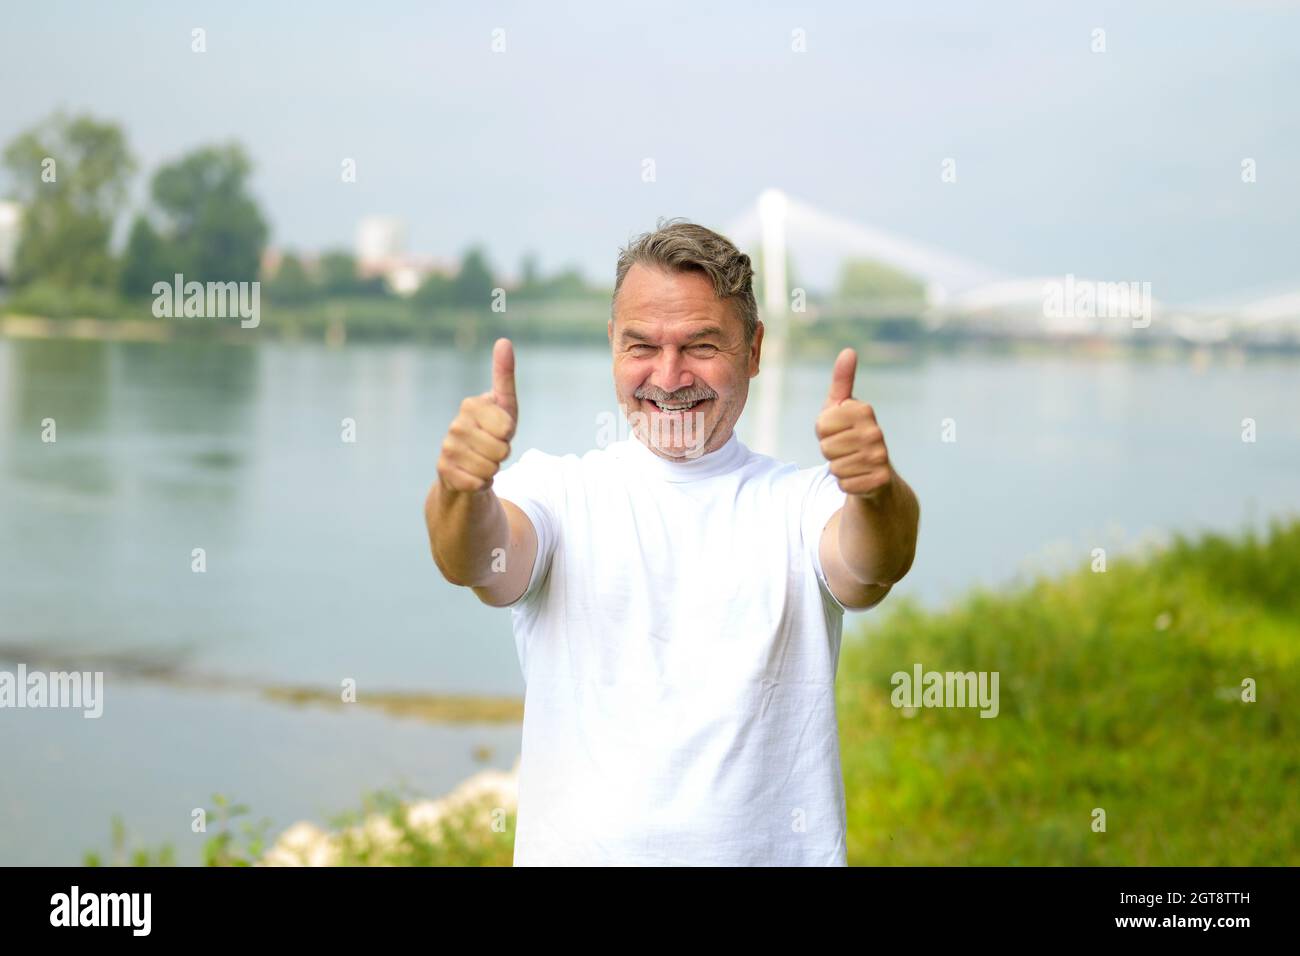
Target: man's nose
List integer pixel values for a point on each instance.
(670, 372)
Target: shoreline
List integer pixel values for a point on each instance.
(335, 335)
(427, 707)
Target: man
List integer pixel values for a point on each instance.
(677, 599)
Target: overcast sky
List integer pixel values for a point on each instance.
(1121, 165)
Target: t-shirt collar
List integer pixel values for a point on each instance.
(709, 465)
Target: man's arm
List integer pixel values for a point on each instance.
(481, 542)
(870, 543)
(477, 539)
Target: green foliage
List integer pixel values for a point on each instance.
(567, 285)
(122, 855)
(1119, 690)
(469, 289)
(473, 284)
(435, 291)
(148, 259)
(472, 835)
(475, 834)
(223, 848)
(529, 272)
(866, 280)
(339, 279)
(212, 227)
(70, 174)
(46, 299)
(291, 283)
(832, 330)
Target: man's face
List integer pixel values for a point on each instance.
(676, 345)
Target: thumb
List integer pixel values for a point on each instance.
(846, 366)
(503, 377)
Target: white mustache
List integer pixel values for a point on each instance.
(675, 398)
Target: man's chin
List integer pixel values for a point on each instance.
(682, 435)
(679, 452)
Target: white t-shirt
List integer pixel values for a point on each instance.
(679, 644)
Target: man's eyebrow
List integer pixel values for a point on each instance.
(697, 334)
(704, 333)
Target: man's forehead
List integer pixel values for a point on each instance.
(648, 289)
(671, 304)
(681, 329)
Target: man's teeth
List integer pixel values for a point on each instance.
(679, 407)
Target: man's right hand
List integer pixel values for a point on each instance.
(478, 440)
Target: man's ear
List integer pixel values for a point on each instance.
(609, 330)
(755, 348)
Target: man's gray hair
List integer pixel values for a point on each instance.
(678, 245)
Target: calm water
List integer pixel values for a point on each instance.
(318, 566)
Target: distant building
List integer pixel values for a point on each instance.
(381, 251)
(10, 220)
(380, 239)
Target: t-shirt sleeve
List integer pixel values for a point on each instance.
(822, 499)
(530, 484)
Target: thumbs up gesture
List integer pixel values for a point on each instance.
(478, 440)
(850, 438)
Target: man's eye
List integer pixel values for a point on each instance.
(704, 349)
(641, 348)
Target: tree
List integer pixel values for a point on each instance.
(290, 283)
(565, 285)
(208, 218)
(338, 274)
(70, 175)
(434, 291)
(528, 272)
(473, 285)
(338, 277)
(147, 259)
(865, 280)
(568, 284)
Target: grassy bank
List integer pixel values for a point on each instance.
(1119, 690)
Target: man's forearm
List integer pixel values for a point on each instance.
(877, 535)
(465, 528)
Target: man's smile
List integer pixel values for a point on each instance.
(675, 408)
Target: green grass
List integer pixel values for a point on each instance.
(1101, 706)
(1119, 690)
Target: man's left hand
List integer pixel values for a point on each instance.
(850, 438)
